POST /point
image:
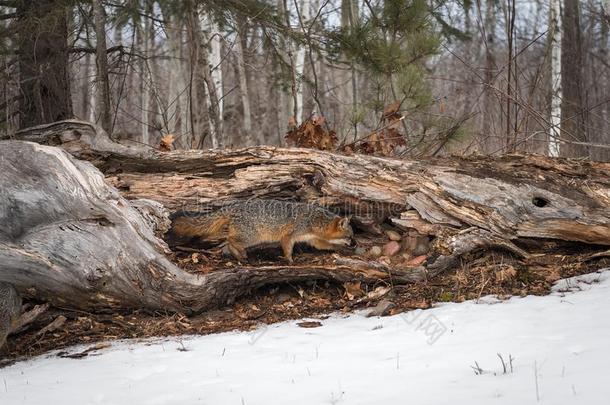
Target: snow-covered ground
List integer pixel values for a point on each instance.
(560, 345)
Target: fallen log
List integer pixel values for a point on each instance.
(512, 196)
(73, 240)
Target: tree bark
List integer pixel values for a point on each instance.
(490, 143)
(244, 93)
(572, 112)
(556, 80)
(514, 196)
(71, 239)
(212, 74)
(175, 109)
(145, 39)
(43, 62)
(101, 58)
(304, 9)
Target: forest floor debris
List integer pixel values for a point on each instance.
(493, 274)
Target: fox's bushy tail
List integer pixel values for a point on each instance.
(197, 225)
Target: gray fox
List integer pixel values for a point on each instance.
(259, 222)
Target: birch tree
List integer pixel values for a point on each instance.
(556, 89)
(144, 44)
(349, 17)
(240, 41)
(212, 59)
(285, 108)
(304, 12)
(90, 93)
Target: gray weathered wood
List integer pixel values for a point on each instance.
(71, 239)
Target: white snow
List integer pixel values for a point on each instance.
(560, 345)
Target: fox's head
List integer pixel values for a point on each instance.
(339, 231)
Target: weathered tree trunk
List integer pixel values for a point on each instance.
(71, 239)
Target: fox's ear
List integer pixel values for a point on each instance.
(344, 223)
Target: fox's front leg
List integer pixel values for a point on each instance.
(287, 243)
(321, 244)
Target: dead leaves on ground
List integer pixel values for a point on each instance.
(353, 290)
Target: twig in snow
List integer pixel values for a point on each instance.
(477, 369)
(504, 369)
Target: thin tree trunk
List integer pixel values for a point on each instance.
(194, 94)
(243, 83)
(101, 59)
(88, 90)
(572, 125)
(488, 131)
(510, 12)
(145, 85)
(44, 82)
(349, 78)
(212, 73)
(176, 110)
(185, 101)
(304, 9)
(284, 108)
(556, 78)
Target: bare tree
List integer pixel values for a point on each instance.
(303, 9)
(101, 59)
(144, 40)
(211, 53)
(556, 77)
(240, 41)
(42, 28)
(572, 118)
(349, 78)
